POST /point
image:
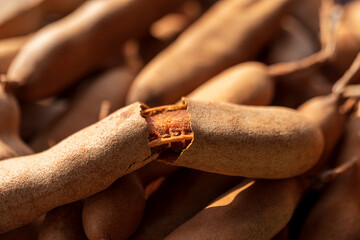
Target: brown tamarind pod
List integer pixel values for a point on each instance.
(63, 223)
(215, 42)
(283, 234)
(257, 210)
(84, 108)
(178, 199)
(336, 213)
(83, 164)
(115, 212)
(8, 50)
(79, 44)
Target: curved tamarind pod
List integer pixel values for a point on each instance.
(8, 50)
(239, 140)
(84, 107)
(79, 43)
(63, 223)
(258, 210)
(10, 143)
(178, 199)
(336, 214)
(215, 42)
(26, 16)
(116, 212)
(81, 165)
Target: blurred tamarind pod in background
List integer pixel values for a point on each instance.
(108, 88)
(336, 214)
(178, 199)
(20, 17)
(258, 210)
(116, 212)
(63, 223)
(8, 50)
(215, 42)
(79, 44)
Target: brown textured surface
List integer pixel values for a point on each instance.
(85, 106)
(81, 165)
(115, 212)
(336, 214)
(79, 44)
(208, 47)
(63, 223)
(246, 83)
(255, 211)
(178, 199)
(258, 142)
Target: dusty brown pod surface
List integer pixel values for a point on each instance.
(208, 47)
(115, 212)
(83, 164)
(259, 142)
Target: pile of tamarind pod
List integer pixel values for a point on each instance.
(169, 119)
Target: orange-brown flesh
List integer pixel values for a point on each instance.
(169, 128)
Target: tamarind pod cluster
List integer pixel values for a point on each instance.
(178, 199)
(241, 141)
(63, 223)
(213, 48)
(85, 106)
(116, 212)
(23, 17)
(336, 214)
(79, 44)
(242, 213)
(8, 50)
(81, 165)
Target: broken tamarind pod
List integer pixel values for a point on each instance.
(23, 17)
(85, 105)
(79, 44)
(115, 212)
(81, 165)
(336, 214)
(218, 41)
(8, 50)
(178, 199)
(222, 138)
(257, 210)
(63, 223)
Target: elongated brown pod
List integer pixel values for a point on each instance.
(8, 50)
(336, 213)
(178, 199)
(217, 41)
(244, 212)
(116, 212)
(63, 223)
(84, 108)
(79, 44)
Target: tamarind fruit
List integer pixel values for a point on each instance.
(79, 44)
(8, 50)
(212, 46)
(63, 223)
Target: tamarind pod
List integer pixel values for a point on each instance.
(283, 234)
(239, 140)
(63, 223)
(8, 50)
(336, 214)
(258, 210)
(213, 48)
(10, 143)
(85, 163)
(178, 199)
(79, 44)
(84, 107)
(247, 83)
(324, 112)
(115, 212)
